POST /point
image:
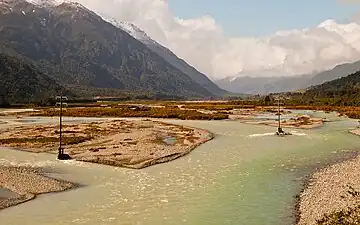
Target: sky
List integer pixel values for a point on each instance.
(227, 38)
(263, 17)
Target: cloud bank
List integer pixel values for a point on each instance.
(202, 43)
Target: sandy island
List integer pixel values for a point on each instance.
(249, 116)
(124, 143)
(331, 195)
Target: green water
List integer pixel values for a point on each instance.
(243, 176)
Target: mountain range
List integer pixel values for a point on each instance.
(274, 84)
(344, 91)
(68, 48)
(87, 55)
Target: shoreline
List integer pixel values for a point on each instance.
(26, 183)
(307, 179)
(321, 186)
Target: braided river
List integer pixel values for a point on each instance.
(245, 175)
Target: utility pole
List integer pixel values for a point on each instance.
(279, 113)
(280, 131)
(60, 101)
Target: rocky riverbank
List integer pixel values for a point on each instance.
(331, 195)
(21, 184)
(123, 143)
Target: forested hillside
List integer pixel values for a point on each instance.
(21, 82)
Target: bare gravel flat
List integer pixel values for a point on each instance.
(327, 190)
(21, 184)
(123, 143)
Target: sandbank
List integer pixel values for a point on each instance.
(123, 143)
(22, 184)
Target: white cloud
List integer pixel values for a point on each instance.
(202, 43)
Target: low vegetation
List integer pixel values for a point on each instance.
(134, 111)
(217, 107)
(352, 112)
(350, 216)
(65, 140)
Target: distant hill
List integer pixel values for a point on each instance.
(263, 85)
(266, 85)
(345, 88)
(337, 72)
(21, 82)
(78, 49)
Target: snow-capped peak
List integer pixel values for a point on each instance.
(134, 31)
(54, 3)
(229, 79)
(129, 28)
(328, 23)
(233, 79)
(46, 3)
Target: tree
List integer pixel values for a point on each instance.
(267, 100)
(3, 102)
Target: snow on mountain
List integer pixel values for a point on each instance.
(45, 3)
(131, 29)
(166, 54)
(77, 10)
(296, 51)
(40, 4)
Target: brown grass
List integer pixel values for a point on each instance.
(65, 140)
(350, 111)
(128, 111)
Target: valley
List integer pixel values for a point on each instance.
(155, 128)
(141, 143)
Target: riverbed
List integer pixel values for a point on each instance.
(245, 175)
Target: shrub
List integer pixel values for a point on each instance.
(118, 111)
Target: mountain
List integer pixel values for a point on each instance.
(274, 84)
(344, 90)
(169, 56)
(263, 85)
(335, 73)
(21, 82)
(77, 48)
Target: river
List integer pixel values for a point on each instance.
(245, 176)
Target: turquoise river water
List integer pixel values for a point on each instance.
(245, 176)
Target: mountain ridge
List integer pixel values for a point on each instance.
(275, 84)
(168, 55)
(77, 48)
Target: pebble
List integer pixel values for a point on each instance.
(27, 183)
(323, 194)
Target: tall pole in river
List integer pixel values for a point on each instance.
(279, 113)
(60, 101)
(60, 129)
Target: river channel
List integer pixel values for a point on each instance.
(245, 176)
